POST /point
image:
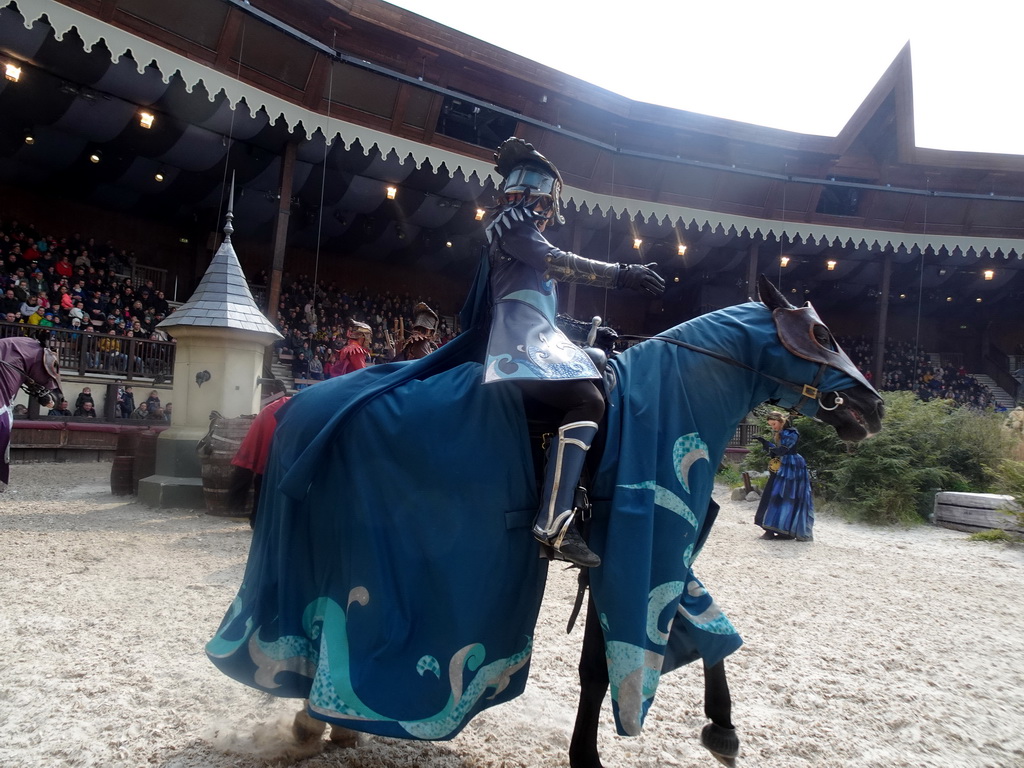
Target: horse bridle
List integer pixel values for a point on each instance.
(807, 392)
(30, 386)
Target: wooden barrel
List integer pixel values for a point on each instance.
(122, 469)
(122, 476)
(216, 451)
(145, 456)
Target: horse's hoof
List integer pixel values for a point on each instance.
(344, 737)
(721, 742)
(306, 729)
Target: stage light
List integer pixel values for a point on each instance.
(989, 274)
(392, 192)
(978, 299)
(784, 261)
(159, 176)
(949, 298)
(12, 72)
(95, 157)
(637, 242)
(682, 249)
(831, 264)
(447, 243)
(29, 138)
(480, 213)
(146, 119)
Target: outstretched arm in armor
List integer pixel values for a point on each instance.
(524, 242)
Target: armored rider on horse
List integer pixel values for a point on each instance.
(526, 346)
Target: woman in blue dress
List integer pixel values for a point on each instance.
(786, 509)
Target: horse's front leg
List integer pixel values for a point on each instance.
(719, 737)
(593, 687)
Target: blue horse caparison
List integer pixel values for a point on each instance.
(392, 578)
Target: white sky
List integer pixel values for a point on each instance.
(798, 65)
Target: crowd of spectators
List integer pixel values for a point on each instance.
(314, 322)
(908, 368)
(74, 283)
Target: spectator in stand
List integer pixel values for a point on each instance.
(153, 401)
(137, 347)
(95, 307)
(316, 368)
(160, 305)
(141, 412)
(61, 410)
(37, 283)
(29, 306)
(87, 410)
(21, 290)
(64, 267)
(10, 303)
(85, 396)
(37, 317)
(126, 404)
(110, 351)
(168, 412)
(156, 414)
(300, 369)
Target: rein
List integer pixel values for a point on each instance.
(806, 391)
(28, 385)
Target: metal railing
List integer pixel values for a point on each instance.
(142, 273)
(94, 352)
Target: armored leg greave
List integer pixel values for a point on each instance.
(554, 523)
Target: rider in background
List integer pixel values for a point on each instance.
(421, 341)
(526, 346)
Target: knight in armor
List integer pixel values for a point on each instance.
(356, 352)
(420, 342)
(526, 346)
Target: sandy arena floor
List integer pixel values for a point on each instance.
(867, 647)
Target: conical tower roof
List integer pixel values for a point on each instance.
(223, 298)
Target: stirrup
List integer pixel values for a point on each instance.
(567, 544)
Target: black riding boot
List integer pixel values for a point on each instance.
(554, 524)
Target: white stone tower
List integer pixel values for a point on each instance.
(221, 337)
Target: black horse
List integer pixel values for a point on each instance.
(393, 582)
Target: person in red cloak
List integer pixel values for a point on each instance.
(356, 352)
(250, 462)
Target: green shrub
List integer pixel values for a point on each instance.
(993, 535)
(729, 475)
(1008, 478)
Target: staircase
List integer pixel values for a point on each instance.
(1000, 398)
(282, 369)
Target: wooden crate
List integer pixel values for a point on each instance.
(973, 512)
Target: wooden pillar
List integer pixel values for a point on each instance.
(883, 319)
(281, 228)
